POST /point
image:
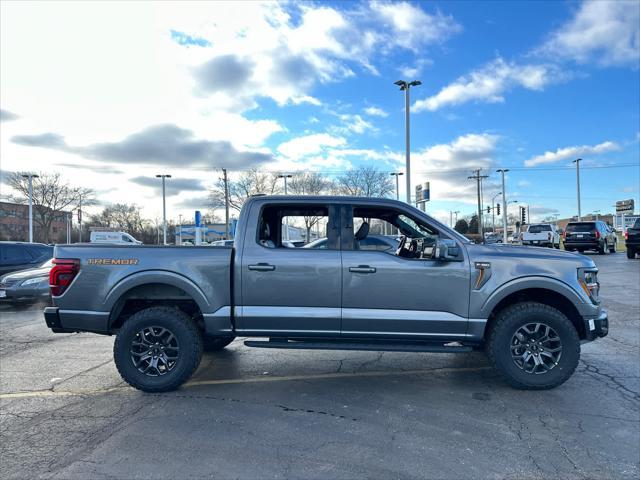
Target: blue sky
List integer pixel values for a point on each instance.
(187, 88)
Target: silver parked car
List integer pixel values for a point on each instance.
(27, 285)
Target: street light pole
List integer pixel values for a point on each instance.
(180, 221)
(30, 177)
(226, 204)
(397, 175)
(456, 212)
(164, 208)
(406, 86)
(577, 162)
(285, 176)
(493, 212)
(504, 205)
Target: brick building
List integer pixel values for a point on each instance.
(14, 223)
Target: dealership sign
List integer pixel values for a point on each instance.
(625, 207)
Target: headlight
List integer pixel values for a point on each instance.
(33, 281)
(588, 279)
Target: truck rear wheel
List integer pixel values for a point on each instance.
(631, 253)
(213, 344)
(533, 346)
(157, 349)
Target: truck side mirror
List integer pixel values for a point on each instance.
(447, 250)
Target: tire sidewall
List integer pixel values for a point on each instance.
(188, 341)
(516, 318)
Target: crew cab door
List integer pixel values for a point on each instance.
(287, 290)
(387, 295)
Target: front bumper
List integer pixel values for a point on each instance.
(15, 293)
(597, 327)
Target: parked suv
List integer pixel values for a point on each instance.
(16, 256)
(596, 236)
(632, 239)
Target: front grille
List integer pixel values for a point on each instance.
(8, 283)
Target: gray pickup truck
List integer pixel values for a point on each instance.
(427, 290)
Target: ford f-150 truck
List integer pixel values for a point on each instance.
(528, 308)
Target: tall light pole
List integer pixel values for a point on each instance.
(504, 205)
(406, 86)
(180, 221)
(226, 203)
(397, 175)
(493, 212)
(30, 177)
(164, 208)
(577, 162)
(285, 176)
(456, 212)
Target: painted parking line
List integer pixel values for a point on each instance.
(231, 381)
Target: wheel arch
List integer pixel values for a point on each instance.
(151, 288)
(541, 295)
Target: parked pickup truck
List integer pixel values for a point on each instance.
(528, 308)
(541, 235)
(632, 239)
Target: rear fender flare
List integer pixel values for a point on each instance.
(155, 277)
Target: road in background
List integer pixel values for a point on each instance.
(252, 413)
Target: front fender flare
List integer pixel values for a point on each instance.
(524, 283)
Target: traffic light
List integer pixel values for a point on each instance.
(523, 215)
(498, 209)
(488, 209)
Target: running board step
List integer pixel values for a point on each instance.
(368, 346)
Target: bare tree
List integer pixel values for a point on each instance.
(121, 216)
(250, 183)
(365, 182)
(51, 195)
(310, 183)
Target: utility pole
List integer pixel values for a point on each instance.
(69, 216)
(285, 176)
(80, 221)
(504, 205)
(164, 208)
(456, 212)
(451, 218)
(180, 221)
(226, 204)
(406, 86)
(397, 175)
(30, 177)
(478, 179)
(577, 162)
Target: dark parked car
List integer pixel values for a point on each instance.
(27, 285)
(632, 239)
(16, 256)
(595, 235)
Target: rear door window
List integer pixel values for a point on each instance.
(14, 255)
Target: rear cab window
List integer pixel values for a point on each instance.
(584, 227)
(539, 228)
(297, 226)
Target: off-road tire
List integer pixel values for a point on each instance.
(508, 322)
(631, 253)
(187, 335)
(602, 250)
(213, 344)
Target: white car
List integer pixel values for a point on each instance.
(541, 235)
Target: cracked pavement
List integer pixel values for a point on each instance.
(252, 413)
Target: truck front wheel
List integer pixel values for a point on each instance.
(157, 349)
(533, 346)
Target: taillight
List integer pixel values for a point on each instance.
(62, 274)
(564, 235)
(626, 235)
(597, 234)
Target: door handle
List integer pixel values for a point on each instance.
(362, 269)
(262, 267)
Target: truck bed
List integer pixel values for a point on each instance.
(111, 272)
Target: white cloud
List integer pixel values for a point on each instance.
(524, 183)
(375, 112)
(447, 166)
(309, 145)
(412, 27)
(602, 32)
(490, 82)
(411, 72)
(571, 153)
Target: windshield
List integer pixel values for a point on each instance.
(581, 227)
(539, 228)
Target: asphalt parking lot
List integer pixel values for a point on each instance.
(252, 413)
